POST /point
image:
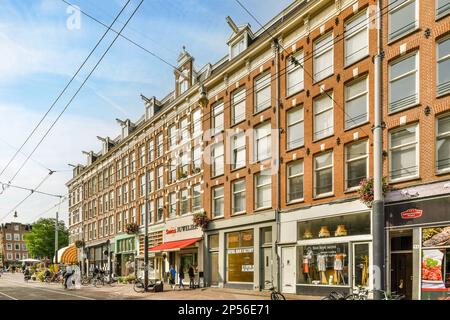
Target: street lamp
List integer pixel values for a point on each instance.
(15, 214)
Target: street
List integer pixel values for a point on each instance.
(13, 287)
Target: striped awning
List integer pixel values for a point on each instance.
(68, 255)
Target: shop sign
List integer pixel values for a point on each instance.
(181, 228)
(411, 214)
(247, 267)
(237, 251)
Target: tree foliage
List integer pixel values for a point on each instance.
(40, 240)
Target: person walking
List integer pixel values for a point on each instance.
(191, 277)
(172, 276)
(181, 277)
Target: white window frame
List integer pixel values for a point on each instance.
(160, 177)
(150, 151)
(172, 133)
(399, 78)
(142, 156)
(329, 109)
(184, 200)
(196, 158)
(360, 157)
(172, 200)
(237, 47)
(292, 69)
(160, 205)
(262, 185)
(159, 145)
(237, 117)
(392, 11)
(352, 123)
(197, 122)
(261, 138)
(353, 31)
(445, 135)
(185, 132)
(440, 12)
(217, 198)
(194, 197)
(8, 236)
(417, 145)
(260, 83)
(290, 145)
(446, 85)
(234, 192)
(238, 149)
(289, 177)
(326, 46)
(218, 110)
(326, 194)
(218, 160)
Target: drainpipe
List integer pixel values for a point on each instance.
(379, 245)
(278, 155)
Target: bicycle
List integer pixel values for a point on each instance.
(275, 294)
(139, 285)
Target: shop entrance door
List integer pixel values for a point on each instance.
(288, 270)
(266, 267)
(214, 268)
(401, 273)
(361, 263)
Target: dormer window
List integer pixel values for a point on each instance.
(183, 82)
(237, 48)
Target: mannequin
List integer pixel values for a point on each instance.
(306, 265)
(322, 267)
(339, 267)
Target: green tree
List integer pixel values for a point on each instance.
(40, 240)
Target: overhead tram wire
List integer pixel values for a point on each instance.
(27, 189)
(63, 91)
(79, 89)
(62, 200)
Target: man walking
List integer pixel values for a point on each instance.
(191, 277)
(172, 276)
(181, 277)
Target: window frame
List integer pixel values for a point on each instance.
(440, 136)
(322, 52)
(392, 11)
(237, 149)
(256, 80)
(439, 60)
(257, 139)
(239, 103)
(347, 161)
(290, 145)
(233, 194)
(218, 109)
(315, 114)
(347, 99)
(257, 186)
(215, 158)
(292, 68)
(329, 193)
(215, 198)
(352, 34)
(289, 177)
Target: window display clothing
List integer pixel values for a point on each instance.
(322, 267)
(338, 268)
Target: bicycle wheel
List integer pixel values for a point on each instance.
(85, 281)
(99, 282)
(352, 297)
(276, 296)
(138, 287)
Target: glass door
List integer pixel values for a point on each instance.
(214, 268)
(361, 264)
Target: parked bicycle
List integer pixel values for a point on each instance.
(362, 293)
(274, 293)
(139, 285)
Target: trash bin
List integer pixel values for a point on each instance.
(201, 280)
(158, 287)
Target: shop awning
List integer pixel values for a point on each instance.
(174, 245)
(68, 255)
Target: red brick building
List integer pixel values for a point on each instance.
(12, 242)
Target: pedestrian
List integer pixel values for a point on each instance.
(172, 276)
(181, 277)
(191, 277)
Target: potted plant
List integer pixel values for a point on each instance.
(132, 228)
(79, 243)
(366, 190)
(200, 219)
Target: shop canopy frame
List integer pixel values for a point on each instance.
(174, 245)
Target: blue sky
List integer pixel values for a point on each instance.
(39, 53)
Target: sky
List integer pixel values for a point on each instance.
(42, 44)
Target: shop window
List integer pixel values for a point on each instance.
(323, 173)
(238, 200)
(356, 103)
(240, 256)
(295, 181)
(346, 225)
(263, 94)
(295, 128)
(324, 264)
(294, 75)
(238, 150)
(217, 119)
(403, 18)
(356, 38)
(323, 117)
(443, 144)
(435, 284)
(443, 65)
(403, 153)
(213, 241)
(238, 106)
(404, 82)
(323, 57)
(356, 163)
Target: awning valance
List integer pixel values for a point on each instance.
(174, 245)
(68, 255)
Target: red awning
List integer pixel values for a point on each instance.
(174, 245)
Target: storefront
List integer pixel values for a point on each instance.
(182, 248)
(418, 229)
(155, 260)
(326, 248)
(97, 255)
(242, 252)
(125, 254)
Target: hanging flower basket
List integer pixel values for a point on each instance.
(79, 243)
(132, 228)
(366, 190)
(200, 219)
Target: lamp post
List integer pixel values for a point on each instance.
(56, 238)
(146, 234)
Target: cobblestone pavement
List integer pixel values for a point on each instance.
(13, 287)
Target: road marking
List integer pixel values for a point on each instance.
(8, 296)
(49, 290)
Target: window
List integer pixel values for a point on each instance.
(356, 163)
(197, 122)
(295, 128)
(119, 196)
(323, 57)
(133, 161)
(356, 103)
(356, 38)
(442, 8)
(106, 202)
(240, 256)
(111, 178)
(160, 177)
(403, 18)
(105, 226)
(160, 208)
(184, 128)
(295, 181)
(142, 185)
(197, 158)
(151, 212)
(16, 246)
(16, 237)
(111, 200)
(238, 150)
(172, 136)
(403, 83)
(217, 118)
(119, 221)
(125, 166)
(172, 204)
(125, 193)
(294, 73)
(151, 181)
(184, 201)
(8, 236)
(403, 153)
(125, 218)
(141, 156)
(111, 225)
(151, 151)
(323, 173)
(172, 171)
(443, 143)
(119, 169)
(184, 169)
(323, 117)
(443, 65)
(263, 94)
(263, 189)
(9, 256)
(100, 205)
(100, 228)
(141, 214)
(237, 48)
(238, 200)
(238, 106)
(218, 204)
(160, 145)
(218, 159)
(9, 246)
(17, 256)
(24, 247)
(133, 190)
(196, 198)
(263, 142)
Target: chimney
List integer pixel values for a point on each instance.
(152, 106)
(232, 25)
